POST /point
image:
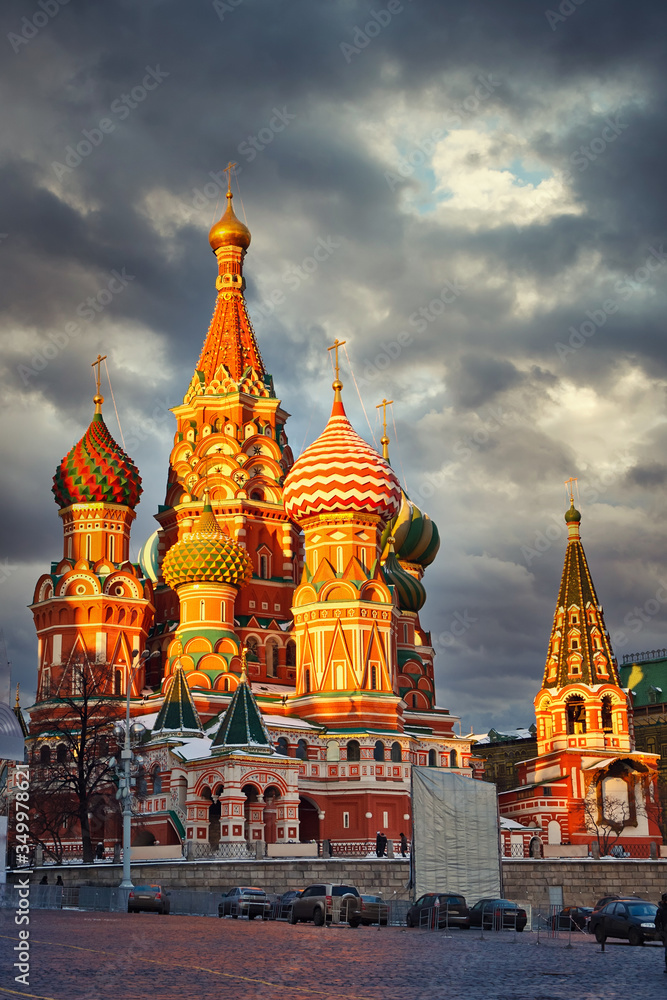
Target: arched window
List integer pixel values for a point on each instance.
(263, 559)
(272, 657)
(46, 682)
(576, 716)
(607, 722)
(378, 750)
(432, 758)
(302, 750)
(118, 682)
(157, 779)
(251, 646)
(333, 750)
(414, 701)
(112, 541)
(61, 753)
(103, 747)
(282, 746)
(45, 756)
(374, 678)
(88, 547)
(307, 680)
(452, 759)
(290, 656)
(225, 684)
(339, 559)
(353, 750)
(202, 611)
(396, 755)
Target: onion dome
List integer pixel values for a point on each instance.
(572, 515)
(97, 470)
(206, 555)
(229, 231)
(416, 537)
(149, 557)
(340, 472)
(411, 593)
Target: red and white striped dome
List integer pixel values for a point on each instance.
(341, 472)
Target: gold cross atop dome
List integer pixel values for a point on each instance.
(569, 486)
(228, 170)
(384, 441)
(98, 399)
(337, 385)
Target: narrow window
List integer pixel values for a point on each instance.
(346, 821)
(202, 611)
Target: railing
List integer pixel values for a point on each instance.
(652, 654)
(357, 848)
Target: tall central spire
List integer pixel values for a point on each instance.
(230, 340)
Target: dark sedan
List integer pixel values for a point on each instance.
(631, 918)
(151, 898)
(498, 914)
(571, 917)
(438, 909)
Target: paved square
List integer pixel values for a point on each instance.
(95, 956)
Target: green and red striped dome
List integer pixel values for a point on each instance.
(97, 470)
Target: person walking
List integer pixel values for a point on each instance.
(404, 845)
(99, 852)
(380, 844)
(661, 923)
(45, 880)
(59, 880)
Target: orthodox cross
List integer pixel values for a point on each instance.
(334, 347)
(228, 170)
(384, 440)
(98, 363)
(569, 486)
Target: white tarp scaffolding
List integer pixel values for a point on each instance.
(456, 840)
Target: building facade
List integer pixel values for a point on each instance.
(587, 784)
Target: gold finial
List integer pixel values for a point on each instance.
(384, 440)
(569, 486)
(336, 385)
(16, 706)
(228, 170)
(244, 659)
(98, 399)
(391, 541)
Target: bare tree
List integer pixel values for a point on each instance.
(72, 778)
(606, 818)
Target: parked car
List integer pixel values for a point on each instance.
(631, 918)
(283, 905)
(151, 898)
(444, 909)
(575, 917)
(374, 910)
(327, 901)
(608, 899)
(499, 914)
(244, 901)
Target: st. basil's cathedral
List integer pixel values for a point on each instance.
(271, 638)
(270, 632)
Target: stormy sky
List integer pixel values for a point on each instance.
(484, 184)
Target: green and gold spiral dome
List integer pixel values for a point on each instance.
(416, 537)
(206, 555)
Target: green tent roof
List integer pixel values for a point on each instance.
(241, 727)
(178, 715)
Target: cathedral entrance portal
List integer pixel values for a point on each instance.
(309, 820)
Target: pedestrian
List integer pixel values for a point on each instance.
(404, 845)
(44, 880)
(661, 923)
(99, 852)
(59, 880)
(379, 849)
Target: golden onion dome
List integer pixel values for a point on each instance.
(229, 231)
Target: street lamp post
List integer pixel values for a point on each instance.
(128, 733)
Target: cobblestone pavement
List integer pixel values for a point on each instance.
(95, 956)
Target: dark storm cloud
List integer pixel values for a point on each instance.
(477, 382)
